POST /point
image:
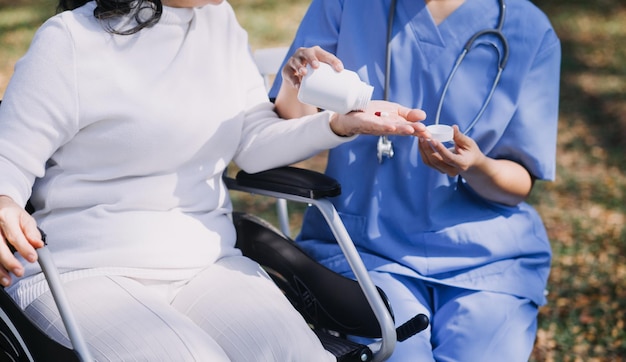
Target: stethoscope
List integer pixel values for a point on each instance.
(384, 146)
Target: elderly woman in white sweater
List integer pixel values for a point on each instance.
(117, 125)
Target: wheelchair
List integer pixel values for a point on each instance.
(333, 305)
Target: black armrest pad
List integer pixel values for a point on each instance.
(292, 180)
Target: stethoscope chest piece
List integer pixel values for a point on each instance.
(384, 148)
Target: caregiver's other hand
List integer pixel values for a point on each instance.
(452, 162)
(295, 68)
(498, 180)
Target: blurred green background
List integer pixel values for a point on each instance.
(584, 209)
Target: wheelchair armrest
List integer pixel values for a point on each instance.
(300, 185)
(288, 180)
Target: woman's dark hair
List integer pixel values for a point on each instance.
(145, 12)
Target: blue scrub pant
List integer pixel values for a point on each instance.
(466, 325)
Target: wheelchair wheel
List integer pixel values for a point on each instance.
(12, 346)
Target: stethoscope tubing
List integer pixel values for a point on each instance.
(503, 57)
(384, 140)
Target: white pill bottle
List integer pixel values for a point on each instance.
(340, 92)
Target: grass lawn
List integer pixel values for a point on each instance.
(584, 209)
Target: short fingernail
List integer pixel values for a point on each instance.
(5, 281)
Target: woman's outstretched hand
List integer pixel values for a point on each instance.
(381, 118)
(19, 230)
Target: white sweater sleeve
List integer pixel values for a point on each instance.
(268, 141)
(39, 111)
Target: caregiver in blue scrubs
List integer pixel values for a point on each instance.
(445, 232)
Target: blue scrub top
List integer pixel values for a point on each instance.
(404, 216)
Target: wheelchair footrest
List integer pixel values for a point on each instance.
(345, 350)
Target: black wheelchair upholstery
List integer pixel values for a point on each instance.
(326, 299)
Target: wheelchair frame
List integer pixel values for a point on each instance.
(304, 186)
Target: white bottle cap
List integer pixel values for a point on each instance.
(441, 132)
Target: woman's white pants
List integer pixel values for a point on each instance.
(231, 311)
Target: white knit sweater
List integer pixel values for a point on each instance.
(126, 138)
